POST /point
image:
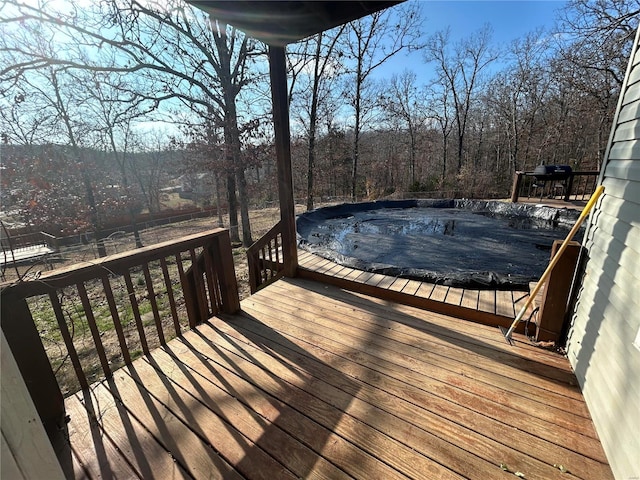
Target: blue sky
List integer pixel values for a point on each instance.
(510, 20)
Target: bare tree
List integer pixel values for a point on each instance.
(460, 70)
(179, 55)
(322, 68)
(404, 101)
(371, 41)
(596, 41)
(115, 108)
(517, 95)
(439, 112)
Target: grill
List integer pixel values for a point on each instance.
(552, 172)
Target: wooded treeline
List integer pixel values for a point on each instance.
(123, 77)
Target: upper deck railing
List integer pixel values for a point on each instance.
(576, 186)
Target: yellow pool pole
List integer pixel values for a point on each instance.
(554, 260)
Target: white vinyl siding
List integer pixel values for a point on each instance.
(606, 319)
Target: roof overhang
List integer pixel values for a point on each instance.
(284, 22)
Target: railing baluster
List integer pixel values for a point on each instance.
(154, 304)
(136, 312)
(116, 319)
(265, 274)
(190, 299)
(199, 286)
(271, 269)
(172, 301)
(95, 333)
(68, 341)
(212, 281)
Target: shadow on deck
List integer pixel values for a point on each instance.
(311, 381)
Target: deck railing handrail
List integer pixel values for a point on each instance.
(195, 272)
(578, 185)
(265, 259)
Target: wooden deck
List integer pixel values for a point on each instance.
(311, 381)
(493, 307)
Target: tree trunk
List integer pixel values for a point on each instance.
(244, 206)
(356, 142)
(218, 201)
(93, 211)
(233, 207)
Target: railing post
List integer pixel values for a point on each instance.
(567, 195)
(226, 273)
(515, 188)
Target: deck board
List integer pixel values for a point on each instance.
(311, 381)
(499, 303)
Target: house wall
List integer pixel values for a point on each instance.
(604, 341)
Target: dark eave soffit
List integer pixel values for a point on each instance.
(283, 22)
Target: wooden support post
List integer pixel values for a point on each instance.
(555, 297)
(279, 95)
(567, 193)
(226, 273)
(515, 188)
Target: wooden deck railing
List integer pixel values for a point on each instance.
(577, 186)
(107, 312)
(265, 259)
